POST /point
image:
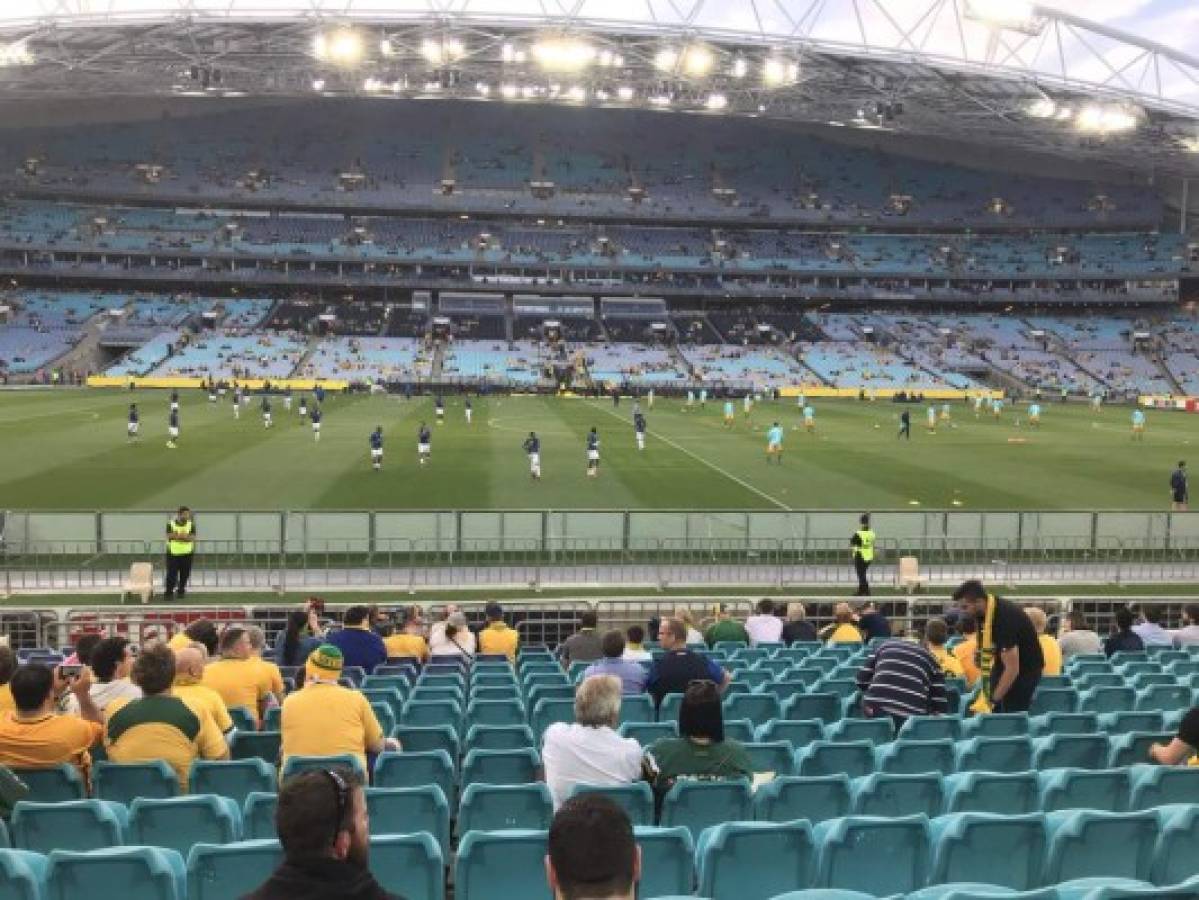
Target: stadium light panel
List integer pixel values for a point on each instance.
(666, 59)
(439, 52)
(483, 88)
(717, 101)
(509, 91)
(1042, 108)
(740, 67)
(610, 60)
(15, 54)
(385, 47)
(577, 93)
(624, 92)
(1013, 15)
(343, 47)
(563, 54)
(1099, 119)
(777, 72)
(660, 100)
(698, 60)
(318, 84)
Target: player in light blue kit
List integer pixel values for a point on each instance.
(774, 444)
(809, 420)
(1138, 425)
(1034, 415)
(728, 413)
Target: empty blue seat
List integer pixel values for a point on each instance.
(1070, 751)
(813, 798)
(758, 708)
(1105, 789)
(1063, 723)
(636, 799)
(494, 807)
(1160, 785)
(876, 731)
(1009, 793)
(825, 707)
(381, 679)
(1177, 848)
(52, 783)
(495, 712)
(667, 861)
(795, 732)
(991, 848)
(1091, 844)
(243, 719)
(406, 810)
(822, 894)
(262, 745)
(897, 795)
(971, 890)
(422, 738)
(498, 737)
(258, 816)
(125, 782)
(930, 728)
(219, 871)
(78, 825)
(645, 733)
(1125, 722)
(500, 766)
(739, 730)
(495, 692)
(1053, 700)
(1107, 699)
(697, 804)
(1124, 889)
(639, 708)
(22, 874)
(547, 712)
(180, 822)
(668, 709)
(1099, 679)
(432, 712)
(995, 754)
(776, 757)
(755, 860)
(501, 864)
(996, 725)
(408, 865)
(1164, 697)
(147, 873)
(853, 758)
(787, 687)
(911, 757)
(1133, 747)
(897, 851)
(297, 764)
(228, 778)
(416, 769)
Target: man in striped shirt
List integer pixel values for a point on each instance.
(901, 679)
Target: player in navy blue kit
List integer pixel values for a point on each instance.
(174, 401)
(320, 395)
(468, 410)
(303, 407)
(287, 399)
(316, 423)
(377, 448)
(173, 428)
(266, 411)
(439, 409)
(236, 401)
(423, 439)
(592, 453)
(134, 421)
(639, 429)
(532, 446)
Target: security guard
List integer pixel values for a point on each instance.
(862, 542)
(181, 547)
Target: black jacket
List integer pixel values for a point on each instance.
(321, 879)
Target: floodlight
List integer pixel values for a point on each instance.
(624, 92)
(740, 67)
(1012, 15)
(1042, 108)
(509, 91)
(698, 60)
(342, 47)
(564, 54)
(1190, 144)
(717, 101)
(1100, 119)
(483, 88)
(777, 72)
(318, 84)
(608, 59)
(659, 100)
(508, 53)
(372, 84)
(15, 54)
(385, 47)
(438, 52)
(577, 93)
(666, 59)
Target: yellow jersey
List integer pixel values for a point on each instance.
(499, 638)
(405, 644)
(325, 719)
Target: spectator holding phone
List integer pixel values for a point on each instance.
(302, 635)
(35, 736)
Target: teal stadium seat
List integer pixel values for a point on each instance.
(1107, 700)
(559, 690)
(500, 766)
(125, 782)
(994, 754)
(991, 848)
(667, 861)
(668, 709)
(243, 719)
(272, 720)
(1091, 844)
(897, 795)
(1164, 697)
(824, 894)
(499, 737)
(930, 728)
(755, 860)
(423, 738)
(775, 757)
(221, 871)
(758, 708)
(996, 725)
(1126, 722)
(1104, 789)
(785, 688)
(912, 757)
(876, 856)
(636, 799)
(1133, 747)
(406, 810)
(131, 873)
(796, 733)
(495, 712)
(498, 864)
(739, 730)
(52, 783)
(1053, 700)
(969, 890)
(297, 764)
(409, 865)
(1006, 793)
(853, 758)
(262, 745)
(876, 731)
(22, 874)
(1187, 890)
(76, 825)
(1160, 785)
(236, 779)
(1176, 855)
(645, 733)
(814, 798)
(510, 691)
(1070, 751)
(432, 712)
(697, 804)
(258, 816)
(637, 708)
(1063, 723)
(180, 822)
(496, 807)
(401, 770)
(547, 712)
(825, 707)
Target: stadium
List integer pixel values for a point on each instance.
(707, 353)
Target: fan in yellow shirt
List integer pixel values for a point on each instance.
(189, 673)
(1049, 647)
(843, 630)
(497, 637)
(936, 633)
(241, 678)
(8, 666)
(967, 650)
(409, 642)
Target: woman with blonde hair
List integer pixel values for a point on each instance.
(1049, 647)
(683, 614)
(797, 627)
(844, 631)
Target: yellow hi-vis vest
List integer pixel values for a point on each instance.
(866, 550)
(179, 548)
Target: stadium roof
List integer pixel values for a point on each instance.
(998, 72)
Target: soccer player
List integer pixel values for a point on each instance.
(236, 401)
(174, 401)
(747, 404)
(703, 397)
(905, 426)
(690, 399)
(173, 428)
(997, 407)
(303, 407)
(728, 413)
(801, 401)
(532, 446)
(639, 430)
(1138, 425)
(468, 410)
(320, 395)
(1034, 415)
(266, 411)
(316, 423)
(774, 444)
(978, 405)
(423, 439)
(287, 400)
(211, 391)
(377, 448)
(649, 398)
(932, 418)
(809, 419)
(134, 421)
(1096, 401)
(592, 453)
(439, 409)
(945, 412)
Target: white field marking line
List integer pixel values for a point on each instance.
(711, 465)
(48, 414)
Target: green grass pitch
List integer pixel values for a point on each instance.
(68, 450)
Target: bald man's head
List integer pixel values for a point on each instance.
(190, 662)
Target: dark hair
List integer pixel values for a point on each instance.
(970, 590)
(612, 644)
(203, 631)
(297, 621)
(356, 615)
(31, 684)
(154, 670)
(86, 645)
(591, 848)
(493, 611)
(765, 607)
(8, 663)
(967, 624)
(636, 634)
(865, 519)
(230, 636)
(588, 620)
(109, 654)
(306, 816)
(700, 714)
(1191, 611)
(1078, 622)
(1124, 618)
(677, 628)
(1152, 613)
(936, 632)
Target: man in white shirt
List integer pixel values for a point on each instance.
(634, 647)
(588, 750)
(1150, 631)
(764, 626)
(1188, 634)
(112, 662)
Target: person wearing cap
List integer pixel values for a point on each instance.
(496, 636)
(326, 719)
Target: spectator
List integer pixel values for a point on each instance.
(1188, 634)
(936, 635)
(1150, 631)
(409, 642)
(1010, 659)
(159, 725)
(843, 630)
(83, 649)
(188, 686)
(496, 637)
(326, 719)
(678, 666)
(873, 624)
(588, 750)
(1185, 745)
(1078, 637)
(1050, 650)
(302, 635)
(584, 645)
(322, 862)
(8, 667)
(683, 614)
(358, 644)
(725, 628)
(797, 628)
(634, 649)
(452, 637)
(966, 651)
(1125, 639)
(632, 675)
(33, 736)
(701, 750)
(112, 661)
(238, 677)
(764, 627)
(202, 631)
(902, 679)
(592, 852)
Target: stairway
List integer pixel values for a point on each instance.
(309, 349)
